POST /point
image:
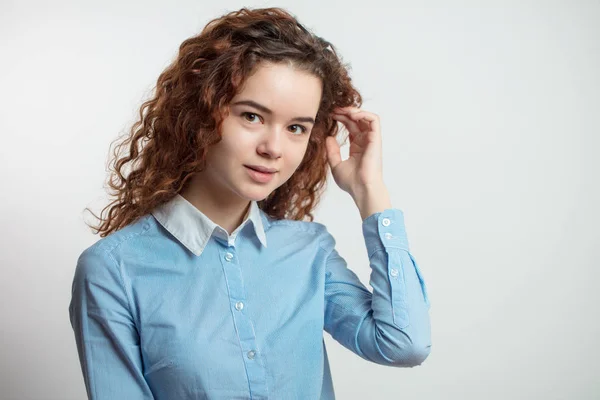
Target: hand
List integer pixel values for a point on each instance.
(364, 167)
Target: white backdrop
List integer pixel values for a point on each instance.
(491, 134)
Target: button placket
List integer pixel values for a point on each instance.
(388, 236)
(231, 262)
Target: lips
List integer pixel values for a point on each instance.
(260, 168)
(261, 177)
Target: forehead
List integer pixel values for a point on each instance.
(283, 89)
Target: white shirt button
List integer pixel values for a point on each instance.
(394, 272)
(251, 354)
(239, 305)
(388, 235)
(228, 256)
(385, 221)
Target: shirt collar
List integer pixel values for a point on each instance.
(194, 229)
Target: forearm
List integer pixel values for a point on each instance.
(398, 329)
(372, 199)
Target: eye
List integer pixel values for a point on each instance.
(303, 130)
(249, 114)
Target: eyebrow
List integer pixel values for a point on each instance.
(266, 110)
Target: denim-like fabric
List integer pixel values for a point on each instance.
(172, 307)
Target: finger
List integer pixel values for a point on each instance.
(348, 109)
(355, 133)
(356, 114)
(351, 125)
(334, 156)
(370, 118)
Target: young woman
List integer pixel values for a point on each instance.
(211, 280)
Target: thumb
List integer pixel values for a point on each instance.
(334, 156)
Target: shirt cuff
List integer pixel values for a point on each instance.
(384, 230)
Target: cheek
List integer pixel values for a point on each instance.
(234, 145)
(300, 154)
(295, 158)
(222, 156)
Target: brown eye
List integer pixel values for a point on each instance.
(249, 114)
(302, 129)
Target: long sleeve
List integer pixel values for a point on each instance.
(390, 326)
(105, 333)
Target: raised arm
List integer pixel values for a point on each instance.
(105, 333)
(390, 326)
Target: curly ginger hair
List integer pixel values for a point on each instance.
(176, 127)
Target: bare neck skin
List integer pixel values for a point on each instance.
(227, 211)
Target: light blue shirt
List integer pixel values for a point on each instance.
(173, 307)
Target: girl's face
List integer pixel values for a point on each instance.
(269, 123)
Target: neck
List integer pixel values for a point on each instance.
(227, 211)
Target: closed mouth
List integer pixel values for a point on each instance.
(257, 170)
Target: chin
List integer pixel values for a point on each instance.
(256, 193)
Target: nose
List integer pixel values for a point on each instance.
(270, 144)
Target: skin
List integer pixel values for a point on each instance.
(223, 190)
(275, 139)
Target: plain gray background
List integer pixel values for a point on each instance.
(490, 123)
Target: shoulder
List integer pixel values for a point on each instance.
(317, 230)
(124, 236)
(100, 258)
